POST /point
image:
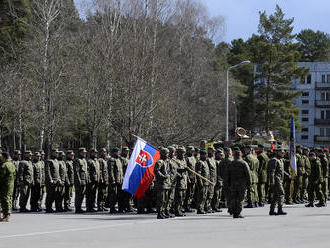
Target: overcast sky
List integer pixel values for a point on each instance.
(242, 16)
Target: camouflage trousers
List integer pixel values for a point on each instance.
(6, 193)
(298, 187)
(102, 194)
(53, 195)
(162, 200)
(252, 194)
(236, 200)
(113, 194)
(261, 192)
(276, 196)
(201, 197)
(217, 196)
(171, 198)
(67, 195)
(325, 188)
(15, 194)
(305, 186)
(190, 194)
(209, 197)
(179, 199)
(288, 189)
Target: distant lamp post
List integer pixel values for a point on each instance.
(227, 94)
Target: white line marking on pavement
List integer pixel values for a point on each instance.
(72, 230)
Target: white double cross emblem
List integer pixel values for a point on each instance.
(143, 158)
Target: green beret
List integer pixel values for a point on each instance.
(202, 151)
(115, 149)
(82, 149)
(181, 149)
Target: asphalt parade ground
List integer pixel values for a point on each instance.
(302, 227)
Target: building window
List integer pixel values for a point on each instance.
(305, 129)
(309, 79)
(305, 102)
(304, 137)
(324, 132)
(325, 114)
(323, 79)
(325, 96)
(328, 78)
(305, 93)
(304, 119)
(304, 112)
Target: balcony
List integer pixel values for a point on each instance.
(322, 139)
(322, 86)
(322, 103)
(322, 122)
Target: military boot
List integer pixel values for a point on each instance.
(280, 211)
(179, 213)
(310, 205)
(272, 211)
(5, 218)
(320, 204)
(160, 215)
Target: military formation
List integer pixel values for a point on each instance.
(187, 179)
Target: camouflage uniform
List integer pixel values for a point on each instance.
(213, 178)
(93, 166)
(81, 179)
(39, 182)
(252, 191)
(262, 175)
(53, 179)
(25, 178)
(202, 168)
(69, 182)
(103, 184)
(115, 169)
(191, 163)
(181, 184)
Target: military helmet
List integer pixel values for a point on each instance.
(171, 149)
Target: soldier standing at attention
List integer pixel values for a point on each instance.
(42, 184)
(276, 174)
(213, 178)
(253, 162)
(70, 180)
(25, 178)
(225, 164)
(239, 179)
(315, 182)
(262, 174)
(163, 183)
(80, 179)
(191, 163)
(115, 169)
(325, 172)
(94, 178)
(52, 177)
(39, 181)
(126, 198)
(181, 184)
(173, 179)
(219, 182)
(7, 179)
(305, 157)
(298, 186)
(202, 168)
(62, 182)
(104, 181)
(288, 181)
(15, 161)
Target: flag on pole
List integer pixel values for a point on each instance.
(293, 161)
(140, 169)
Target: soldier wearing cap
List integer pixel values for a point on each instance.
(225, 164)
(305, 157)
(70, 180)
(125, 198)
(202, 168)
(315, 182)
(298, 184)
(213, 178)
(104, 181)
(116, 176)
(94, 179)
(43, 183)
(7, 178)
(276, 175)
(25, 179)
(219, 182)
(52, 178)
(163, 183)
(262, 174)
(16, 159)
(238, 178)
(62, 182)
(39, 182)
(252, 192)
(325, 171)
(81, 178)
(191, 180)
(173, 178)
(182, 181)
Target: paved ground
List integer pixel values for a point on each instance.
(303, 227)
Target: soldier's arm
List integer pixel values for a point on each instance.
(20, 172)
(160, 174)
(76, 170)
(247, 174)
(110, 172)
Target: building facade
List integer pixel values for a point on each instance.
(314, 105)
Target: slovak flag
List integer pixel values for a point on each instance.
(140, 169)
